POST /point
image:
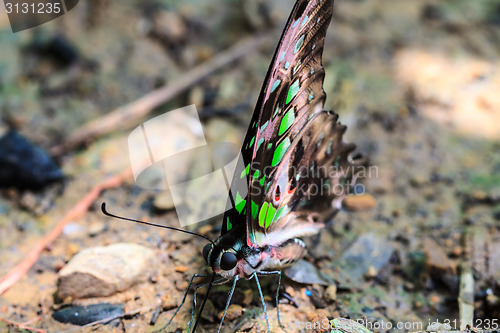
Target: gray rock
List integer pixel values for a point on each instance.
(306, 273)
(369, 250)
(104, 271)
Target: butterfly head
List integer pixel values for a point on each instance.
(220, 259)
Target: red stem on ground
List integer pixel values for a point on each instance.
(17, 272)
(23, 326)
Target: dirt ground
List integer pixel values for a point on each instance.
(417, 84)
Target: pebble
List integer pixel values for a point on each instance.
(169, 302)
(181, 285)
(104, 271)
(73, 230)
(456, 251)
(436, 258)
(71, 250)
(418, 180)
(248, 297)
(234, 311)
(164, 201)
(359, 202)
(371, 273)
(435, 299)
(317, 317)
(169, 27)
(331, 293)
(181, 269)
(95, 228)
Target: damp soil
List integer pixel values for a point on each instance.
(416, 82)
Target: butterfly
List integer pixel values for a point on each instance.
(296, 168)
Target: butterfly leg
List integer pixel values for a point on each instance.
(216, 282)
(254, 275)
(236, 278)
(182, 302)
(277, 295)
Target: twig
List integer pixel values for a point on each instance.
(129, 113)
(466, 298)
(77, 211)
(23, 326)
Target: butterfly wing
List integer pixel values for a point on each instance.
(284, 136)
(308, 185)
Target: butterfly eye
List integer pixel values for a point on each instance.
(277, 194)
(206, 251)
(228, 261)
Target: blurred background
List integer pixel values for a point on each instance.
(416, 82)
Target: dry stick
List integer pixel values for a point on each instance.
(76, 212)
(129, 113)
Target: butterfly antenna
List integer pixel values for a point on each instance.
(105, 212)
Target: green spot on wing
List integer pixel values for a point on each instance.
(299, 44)
(229, 225)
(255, 175)
(269, 145)
(280, 151)
(275, 85)
(262, 181)
(261, 140)
(245, 172)
(255, 209)
(262, 214)
(287, 65)
(252, 141)
(287, 121)
(264, 126)
(304, 21)
(292, 91)
(240, 203)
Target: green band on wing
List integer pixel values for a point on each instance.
(292, 91)
(262, 214)
(280, 151)
(287, 121)
(270, 215)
